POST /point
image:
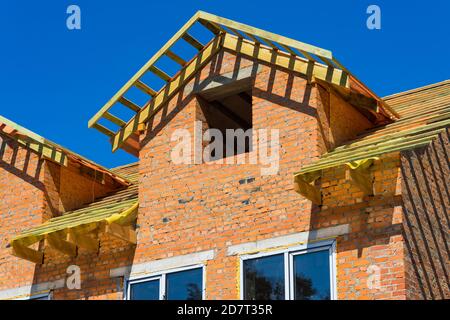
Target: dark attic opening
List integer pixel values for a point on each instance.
(228, 109)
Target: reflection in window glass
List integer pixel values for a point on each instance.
(312, 276)
(185, 285)
(264, 278)
(148, 290)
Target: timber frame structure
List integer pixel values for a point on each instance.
(313, 62)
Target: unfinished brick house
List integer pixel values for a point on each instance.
(357, 209)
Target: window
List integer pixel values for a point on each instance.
(298, 274)
(184, 284)
(226, 113)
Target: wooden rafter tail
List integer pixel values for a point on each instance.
(27, 253)
(192, 41)
(163, 96)
(304, 186)
(361, 174)
(145, 88)
(59, 243)
(103, 129)
(125, 233)
(155, 70)
(114, 119)
(143, 70)
(214, 28)
(129, 104)
(175, 58)
(87, 241)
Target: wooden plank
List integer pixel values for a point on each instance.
(192, 41)
(303, 186)
(126, 233)
(266, 35)
(159, 73)
(103, 129)
(114, 119)
(364, 154)
(288, 49)
(84, 241)
(131, 105)
(58, 243)
(282, 59)
(164, 95)
(361, 175)
(145, 88)
(143, 70)
(175, 58)
(26, 253)
(214, 28)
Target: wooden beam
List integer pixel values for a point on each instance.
(143, 70)
(57, 242)
(214, 28)
(26, 253)
(175, 58)
(145, 88)
(126, 233)
(85, 241)
(284, 60)
(163, 96)
(131, 105)
(361, 175)
(103, 129)
(266, 35)
(155, 70)
(114, 119)
(303, 185)
(192, 41)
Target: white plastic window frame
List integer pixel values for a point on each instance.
(289, 253)
(161, 276)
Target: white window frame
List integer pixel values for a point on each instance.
(289, 254)
(161, 276)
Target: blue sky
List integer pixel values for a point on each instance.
(52, 80)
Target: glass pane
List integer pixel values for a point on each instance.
(148, 290)
(185, 285)
(264, 278)
(312, 276)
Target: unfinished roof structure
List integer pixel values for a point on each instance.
(50, 150)
(313, 62)
(111, 214)
(107, 214)
(423, 114)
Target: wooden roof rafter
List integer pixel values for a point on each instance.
(227, 34)
(50, 150)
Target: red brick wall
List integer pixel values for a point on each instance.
(22, 194)
(189, 208)
(426, 206)
(376, 242)
(31, 191)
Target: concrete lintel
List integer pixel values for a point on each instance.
(162, 264)
(31, 290)
(287, 240)
(206, 87)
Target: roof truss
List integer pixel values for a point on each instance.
(262, 45)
